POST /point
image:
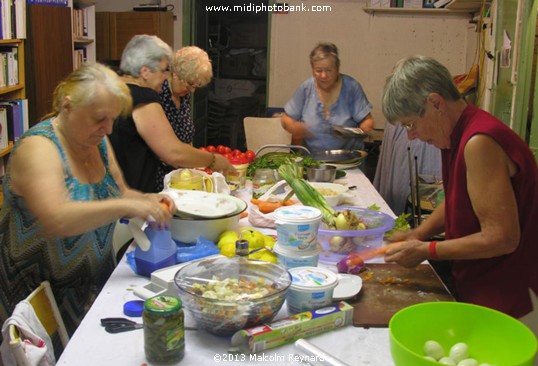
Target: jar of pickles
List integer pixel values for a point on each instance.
(263, 179)
(164, 329)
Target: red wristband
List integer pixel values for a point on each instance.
(433, 250)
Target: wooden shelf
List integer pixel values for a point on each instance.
(7, 150)
(9, 89)
(419, 11)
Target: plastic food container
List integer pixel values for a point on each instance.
(297, 227)
(311, 288)
(336, 244)
(292, 258)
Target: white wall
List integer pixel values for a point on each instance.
(128, 5)
(369, 45)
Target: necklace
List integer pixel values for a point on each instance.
(329, 98)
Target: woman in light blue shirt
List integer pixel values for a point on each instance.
(327, 99)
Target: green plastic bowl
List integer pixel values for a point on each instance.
(493, 337)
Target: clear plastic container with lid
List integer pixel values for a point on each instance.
(164, 329)
(263, 179)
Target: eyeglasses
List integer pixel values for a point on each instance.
(410, 127)
(191, 85)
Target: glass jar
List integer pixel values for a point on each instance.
(164, 329)
(263, 180)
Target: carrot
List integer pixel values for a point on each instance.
(362, 257)
(255, 201)
(267, 207)
(243, 214)
(289, 203)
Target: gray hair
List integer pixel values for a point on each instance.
(192, 64)
(323, 51)
(410, 83)
(144, 50)
(82, 85)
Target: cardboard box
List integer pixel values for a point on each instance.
(292, 328)
(248, 35)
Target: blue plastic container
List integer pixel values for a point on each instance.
(161, 254)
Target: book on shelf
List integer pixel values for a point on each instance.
(13, 16)
(48, 2)
(4, 134)
(17, 117)
(9, 64)
(441, 3)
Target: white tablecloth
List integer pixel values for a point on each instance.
(91, 345)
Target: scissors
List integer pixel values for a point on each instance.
(118, 325)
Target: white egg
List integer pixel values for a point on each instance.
(468, 362)
(447, 361)
(433, 349)
(459, 351)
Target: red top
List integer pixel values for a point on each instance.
(501, 282)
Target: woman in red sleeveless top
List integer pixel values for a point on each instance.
(490, 213)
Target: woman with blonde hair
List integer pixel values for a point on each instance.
(63, 193)
(190, 69)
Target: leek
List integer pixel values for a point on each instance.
(309, 196)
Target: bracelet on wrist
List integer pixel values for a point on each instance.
(212, 163)
(433, 250)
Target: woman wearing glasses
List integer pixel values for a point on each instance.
(327, 99)
(144, 140)
(490, 210)
(190, 69)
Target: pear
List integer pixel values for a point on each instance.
(254, 237)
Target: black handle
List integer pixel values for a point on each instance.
(119, 328)
(110, 321)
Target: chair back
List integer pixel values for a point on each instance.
(261, 131)
(46, 309)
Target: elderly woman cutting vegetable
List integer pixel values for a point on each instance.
(491, 208)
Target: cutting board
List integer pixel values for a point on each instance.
(387, 288)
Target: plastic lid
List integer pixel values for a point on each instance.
(133, 308)
(312, 278)
(297, 213)
(162, 304)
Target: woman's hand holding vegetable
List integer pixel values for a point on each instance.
(409, 253)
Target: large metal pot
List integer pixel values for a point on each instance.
(187, 230)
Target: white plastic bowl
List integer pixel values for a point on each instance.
(339, 190)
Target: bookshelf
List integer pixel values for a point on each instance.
(83, 25)
(17, 91)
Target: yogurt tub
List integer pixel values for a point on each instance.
(297, 227)
(292, 258)
(311, 288)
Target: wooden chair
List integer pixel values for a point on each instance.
(265, 131)
(45, 306)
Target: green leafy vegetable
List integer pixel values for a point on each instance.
(273, 160)
(374, 207)
(400, 224)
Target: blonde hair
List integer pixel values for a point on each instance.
(82, 84)
(192, 64)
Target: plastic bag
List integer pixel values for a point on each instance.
(258, 219)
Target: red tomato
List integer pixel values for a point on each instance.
(236, 152)
(202, 148)
(227, 149)
(228, 156)
(250, 155)
(211, 148)
(220, 149)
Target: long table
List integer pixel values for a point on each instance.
(92, 345)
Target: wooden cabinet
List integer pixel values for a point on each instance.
(49, 55)
(83, 32)
(115, 29)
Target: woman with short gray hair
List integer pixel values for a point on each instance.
(490, 210)
(145, 140)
